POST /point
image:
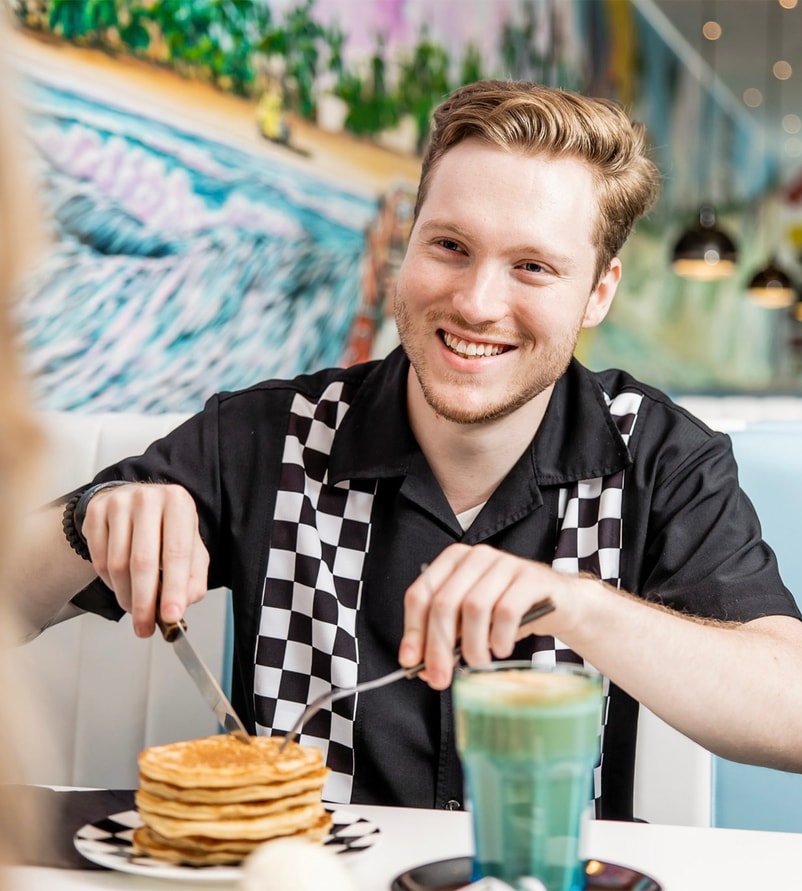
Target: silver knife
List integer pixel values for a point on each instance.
(175, 634)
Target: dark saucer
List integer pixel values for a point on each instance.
(450, 875)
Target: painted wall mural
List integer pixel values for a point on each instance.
(180, 265)
(185, 260)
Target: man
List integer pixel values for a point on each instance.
(483, 450)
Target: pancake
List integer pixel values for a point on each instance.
(209, 852)
(255, 792)
(223, 761)
(266, 826)
(213, 800)
(184, 810)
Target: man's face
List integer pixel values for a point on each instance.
(498, 279)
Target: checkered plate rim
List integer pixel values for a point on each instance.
(108, 843)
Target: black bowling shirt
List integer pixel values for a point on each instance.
(691, 540)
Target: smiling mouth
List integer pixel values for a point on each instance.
(472, 349)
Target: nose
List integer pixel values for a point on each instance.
(479, 296)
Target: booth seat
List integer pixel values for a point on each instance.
(771, 474)
(711, 790)
(104, 693)
(108, 694)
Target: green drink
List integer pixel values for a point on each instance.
(528, 739)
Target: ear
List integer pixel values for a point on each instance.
(601, 298)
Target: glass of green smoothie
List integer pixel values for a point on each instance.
(528, 738)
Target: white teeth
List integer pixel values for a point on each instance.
(463, 348)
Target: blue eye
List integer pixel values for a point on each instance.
(532, 267)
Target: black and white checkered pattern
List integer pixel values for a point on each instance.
(590, 540)
(109, 843)
(321, 534)
(307, 635)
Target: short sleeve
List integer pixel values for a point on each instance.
(705, 552)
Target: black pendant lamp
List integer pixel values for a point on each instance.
(704, 252)
(771, 287)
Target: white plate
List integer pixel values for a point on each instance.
(108, 843)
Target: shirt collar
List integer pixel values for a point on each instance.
(375, 440)
(577, 438)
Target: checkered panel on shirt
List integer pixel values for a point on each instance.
(307, 633)
(590, 540)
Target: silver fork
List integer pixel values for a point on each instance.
(541, 608)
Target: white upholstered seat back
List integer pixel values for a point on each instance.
(107, 694)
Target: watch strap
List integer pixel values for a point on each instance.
(72, 519)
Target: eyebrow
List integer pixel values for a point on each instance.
(523, 249)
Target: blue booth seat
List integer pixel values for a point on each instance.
(769, 456)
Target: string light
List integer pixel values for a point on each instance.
(752, 97)
(782, 70)
(792, 123)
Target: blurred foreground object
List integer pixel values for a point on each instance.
(294, 865)
(22, 828)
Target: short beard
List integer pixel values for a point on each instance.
(551, 367)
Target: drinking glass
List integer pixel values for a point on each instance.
(528, 738)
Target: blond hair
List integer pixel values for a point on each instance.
(529, 117)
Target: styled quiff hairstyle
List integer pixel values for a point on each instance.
(529, 117)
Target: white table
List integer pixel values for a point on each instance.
(681, 858)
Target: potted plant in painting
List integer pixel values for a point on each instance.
(423, 83)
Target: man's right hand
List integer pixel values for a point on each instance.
(144, 539)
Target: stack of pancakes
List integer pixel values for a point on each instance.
(213, 800)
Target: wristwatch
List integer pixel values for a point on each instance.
(72, 519)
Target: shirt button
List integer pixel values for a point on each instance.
(453, 805)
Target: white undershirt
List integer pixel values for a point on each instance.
(468, 516)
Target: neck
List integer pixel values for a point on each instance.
(470, 460)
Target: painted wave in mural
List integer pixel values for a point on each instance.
(180, 265)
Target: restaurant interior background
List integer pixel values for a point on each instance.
(229, 185)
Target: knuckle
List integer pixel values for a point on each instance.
(145, 495)
(506, 612)
(141, 561)
(473, 608)
(116, 566)
(442, 608)
(175, 550)
(179, 496)
(415, 597)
